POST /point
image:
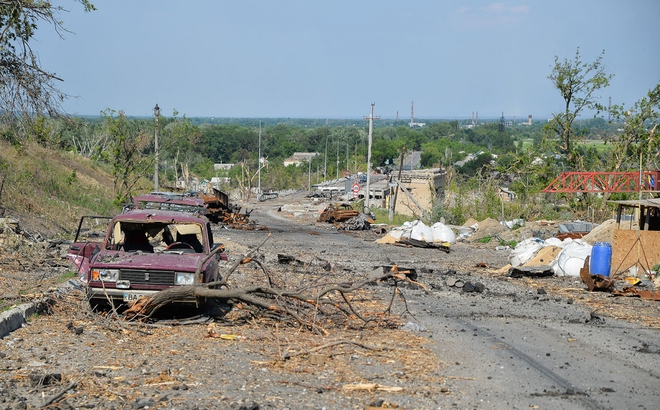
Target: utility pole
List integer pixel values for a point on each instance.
(396, 188)
(309, 174)
(325, 166)
(156, 115)
(259, 165)
(371, 119)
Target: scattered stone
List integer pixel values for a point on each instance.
(479, 287)
(413, 327)
(450, 281)
(541, 291)
(468, 287)
(144, 403)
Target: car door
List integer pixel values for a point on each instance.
(90, 236)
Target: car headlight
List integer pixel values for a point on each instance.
(184, 278)
(105, 275)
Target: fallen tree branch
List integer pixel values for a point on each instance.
(302, 304)
(331, 344)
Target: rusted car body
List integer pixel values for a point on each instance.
(337, 213)
(145, 251)
(215, 205)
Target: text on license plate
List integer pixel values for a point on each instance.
(129, 297)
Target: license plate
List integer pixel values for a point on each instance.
(129, 297)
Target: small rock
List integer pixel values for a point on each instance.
(468, 287)
(413, 327)
(143, 402)
(479, 287)
(541, 291)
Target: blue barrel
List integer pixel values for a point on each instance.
(600, 262)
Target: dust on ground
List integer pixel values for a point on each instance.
(76, 358)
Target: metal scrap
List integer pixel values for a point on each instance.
(633, 291)
(361, 222)
(595, 282)
(219, 210)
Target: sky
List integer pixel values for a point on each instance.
(452, 59)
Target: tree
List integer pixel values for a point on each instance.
(639, 136)
(27, 89)
(577, 83)
(127, 157)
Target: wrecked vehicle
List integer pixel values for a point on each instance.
(168, 201)
(337, 213)
(215, 206)
(143, 252)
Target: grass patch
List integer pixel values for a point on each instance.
(66, 276)
(383, 216)
(512, 244)
(66, 186)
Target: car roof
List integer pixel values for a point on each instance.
(155, 215)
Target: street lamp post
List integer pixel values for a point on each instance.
(156, 115)
(371, 119)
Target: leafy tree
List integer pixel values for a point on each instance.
(640, 134)
(26, 88)
(127, 153)
(577, 83)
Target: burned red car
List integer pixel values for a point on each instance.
(144, 251)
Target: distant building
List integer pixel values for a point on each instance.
(298, 158)
(222, 167)
(425, 186)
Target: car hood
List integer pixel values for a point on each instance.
(155, 261)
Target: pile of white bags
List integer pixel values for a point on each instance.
(419, 231)
(568, 262)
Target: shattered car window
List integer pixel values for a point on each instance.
(157, 237)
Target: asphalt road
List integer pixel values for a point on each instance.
(509, 346)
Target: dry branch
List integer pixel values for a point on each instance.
(303, 304)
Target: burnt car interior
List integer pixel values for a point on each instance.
(157, 237)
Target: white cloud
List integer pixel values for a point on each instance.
(502, 8)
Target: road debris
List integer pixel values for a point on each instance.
(537, 271)
(595, 282)
(361, 222)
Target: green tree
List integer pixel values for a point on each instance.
(26, 88)
(127, 153)
(578, 83)
(639, 135)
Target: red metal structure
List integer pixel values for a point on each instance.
(605, 182)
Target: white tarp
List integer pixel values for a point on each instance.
(568, 262)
